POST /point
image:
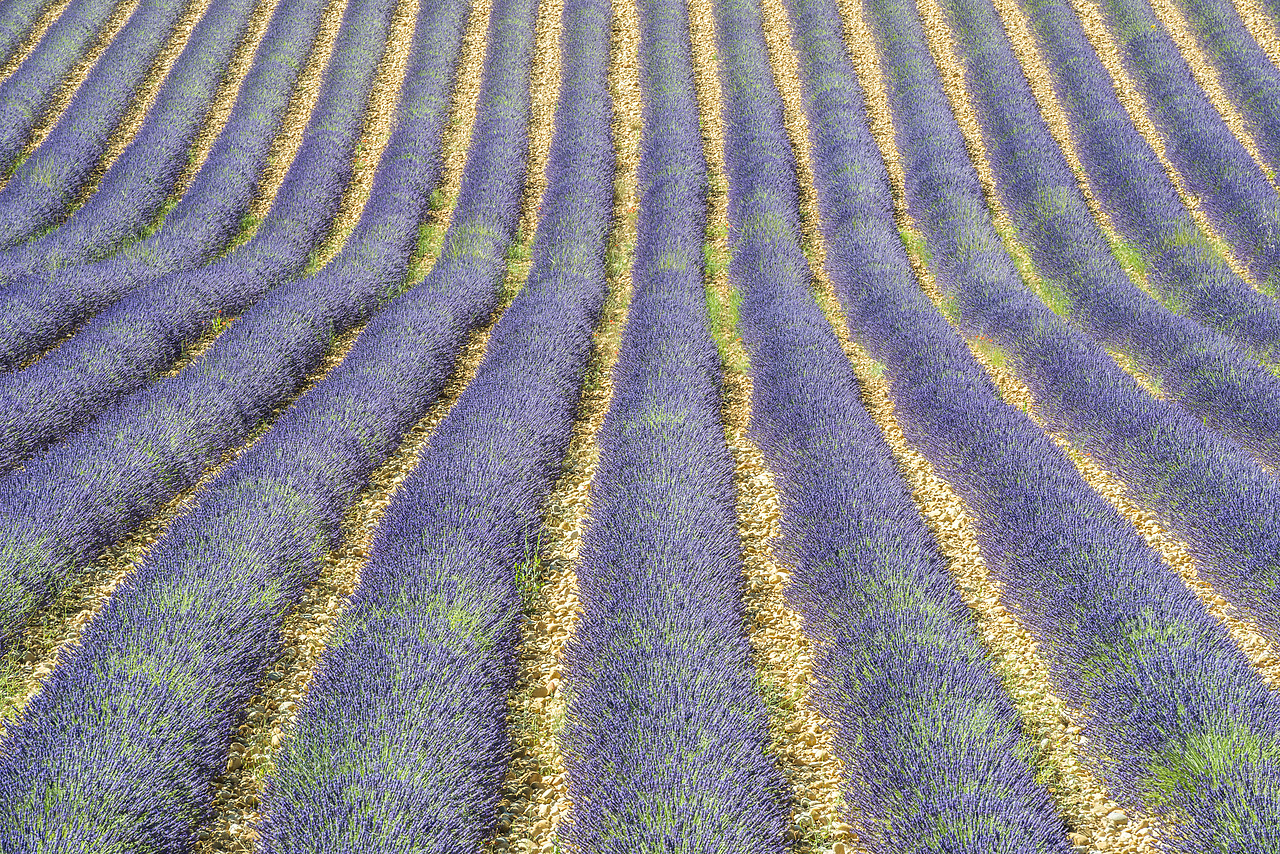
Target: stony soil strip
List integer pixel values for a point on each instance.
(288, 138)
(1260, 26)
(1206, 75)
(457, 139)
(307, 628)
(144, 96)
(24, 669)
(225, 96)
(71, 82)
(801, 738)
(536, 791)
(38, 28)
(1096, 821)
(379, 119)
(1094, 23)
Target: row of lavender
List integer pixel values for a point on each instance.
(121, 467)
(402, 742)
(666, 739)
(1177, 719)
(122, 348)
(136, 185)
(919, 711)
(1225, 395)
(46, 292)
(1202, 370)
(1185, 272)
(166, 669)
(26, 94)
(1213, 163)
(48, 181)
(16, 22)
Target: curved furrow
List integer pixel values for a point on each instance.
(159, 440)
(1212, 164)
(51, 178)
(228, 196)
(36, 93)
(666, 737)
(193, 670)
(136, 185)
(121, 349)
(1028, 181)
(22, 24)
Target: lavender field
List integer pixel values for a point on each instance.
(654, 427)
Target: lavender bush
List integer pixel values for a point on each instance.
(47, 182)
(43, 299)
(1187, 273)
(666, 740)
(135, 186)
(941, 763)
(401, 743)
(153, 694)
(1214, 165)
(1246, 73)
(16, 21)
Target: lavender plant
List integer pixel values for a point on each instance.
(941, 763)
(43, 300)
(135, 186)
(40, 190)
(123, 348)
(1081, 278)
(1214, 165)
(25, 94)
(1178, 723)
(159, 440)
(166, 670)
(666, 736)
(401, 743)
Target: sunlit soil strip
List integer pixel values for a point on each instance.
(942, 46)
(1027, 52)
(306, 629)
(457, 138)
(71, 82)
(41, 25)
(376, 133)
(28, 664)
(800, 737)
(536, 791)
(1206, 75)
(1095, 29)
(1262, 654)
(1260, 27)
(225, 96)
(144, 96)
(288, 138)
(1095, 819)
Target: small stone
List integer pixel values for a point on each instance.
(235, 761)
(839, 848)
(1117, 817)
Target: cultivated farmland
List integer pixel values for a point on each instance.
(584, 426)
